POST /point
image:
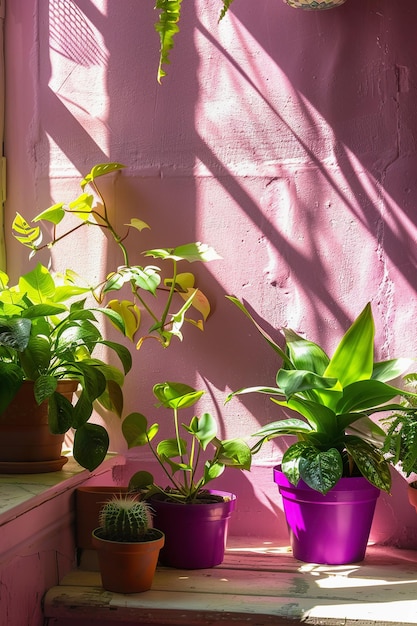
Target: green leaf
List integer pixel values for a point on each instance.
(54, 214)
(15, 333)
(44, 387)
(305, 354)
(91, 443)
(36, 357)
(168, 448)
(29, 236)
(82, 206)
(166, 27)
(203, 428)
(176, 395)
(135, 430)
(388, 370)
(235, 453)
(100, 170)
(122, 352)
(60, 412)
(212, 470)
(83, 409)
(364, 395)
(296, 381)
(189, 252)
(112, 398)
(38, 284)
(11, 379)
(43, 310)
(226, 6)
(140, 480)
(353, 359)
(320, 417)
(137, 224)
(321, 470)
(370, 461)
(94, 381)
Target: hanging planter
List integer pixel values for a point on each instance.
(314, 5)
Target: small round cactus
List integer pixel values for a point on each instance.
(125, 519)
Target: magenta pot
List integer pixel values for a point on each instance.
(195, 534)
(332, 528)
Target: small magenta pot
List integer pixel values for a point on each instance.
(332, 528)
(195, 534)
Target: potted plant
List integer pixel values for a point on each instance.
(165, 304)
(127, 545)
(193, 517)
(47, 352)
(338, 448)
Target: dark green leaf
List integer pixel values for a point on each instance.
(91, 443)
(60, 413)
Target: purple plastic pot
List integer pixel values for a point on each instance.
(332, 528)
(195, 534)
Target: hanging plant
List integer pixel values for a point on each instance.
(167, 27)
(170, 12)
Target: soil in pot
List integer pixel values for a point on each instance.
(128, 567)
(195, 534)
(332, 528)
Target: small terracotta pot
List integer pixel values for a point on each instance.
(314, 5)
(412, 494)
(88, 502)
(128, 567)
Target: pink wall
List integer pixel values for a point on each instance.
(284, 138)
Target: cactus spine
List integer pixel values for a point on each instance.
(125, 519)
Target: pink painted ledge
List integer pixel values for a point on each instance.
(19, 493)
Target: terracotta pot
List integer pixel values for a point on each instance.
(412, 494)
(332, 528)
(314, 5)
(127, 567)
(88, 502)
(195, 534)
(26, 444)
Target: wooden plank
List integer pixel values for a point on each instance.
(254, 588)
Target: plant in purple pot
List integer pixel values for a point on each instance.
(191, 459)
(332, 399)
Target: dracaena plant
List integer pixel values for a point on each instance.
(44, 338)
(167, 27)
(192, 457)
(179, 292)
(334, 397)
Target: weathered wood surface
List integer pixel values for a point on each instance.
(255, 585)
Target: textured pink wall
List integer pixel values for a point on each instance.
(284, 138)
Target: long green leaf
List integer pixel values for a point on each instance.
(167, 27)
(305, 354)
(354, 356)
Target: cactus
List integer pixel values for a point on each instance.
(125, 519)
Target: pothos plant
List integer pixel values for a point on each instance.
(192, 457)
(334, 397)
(145, 282)
(48, 333)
